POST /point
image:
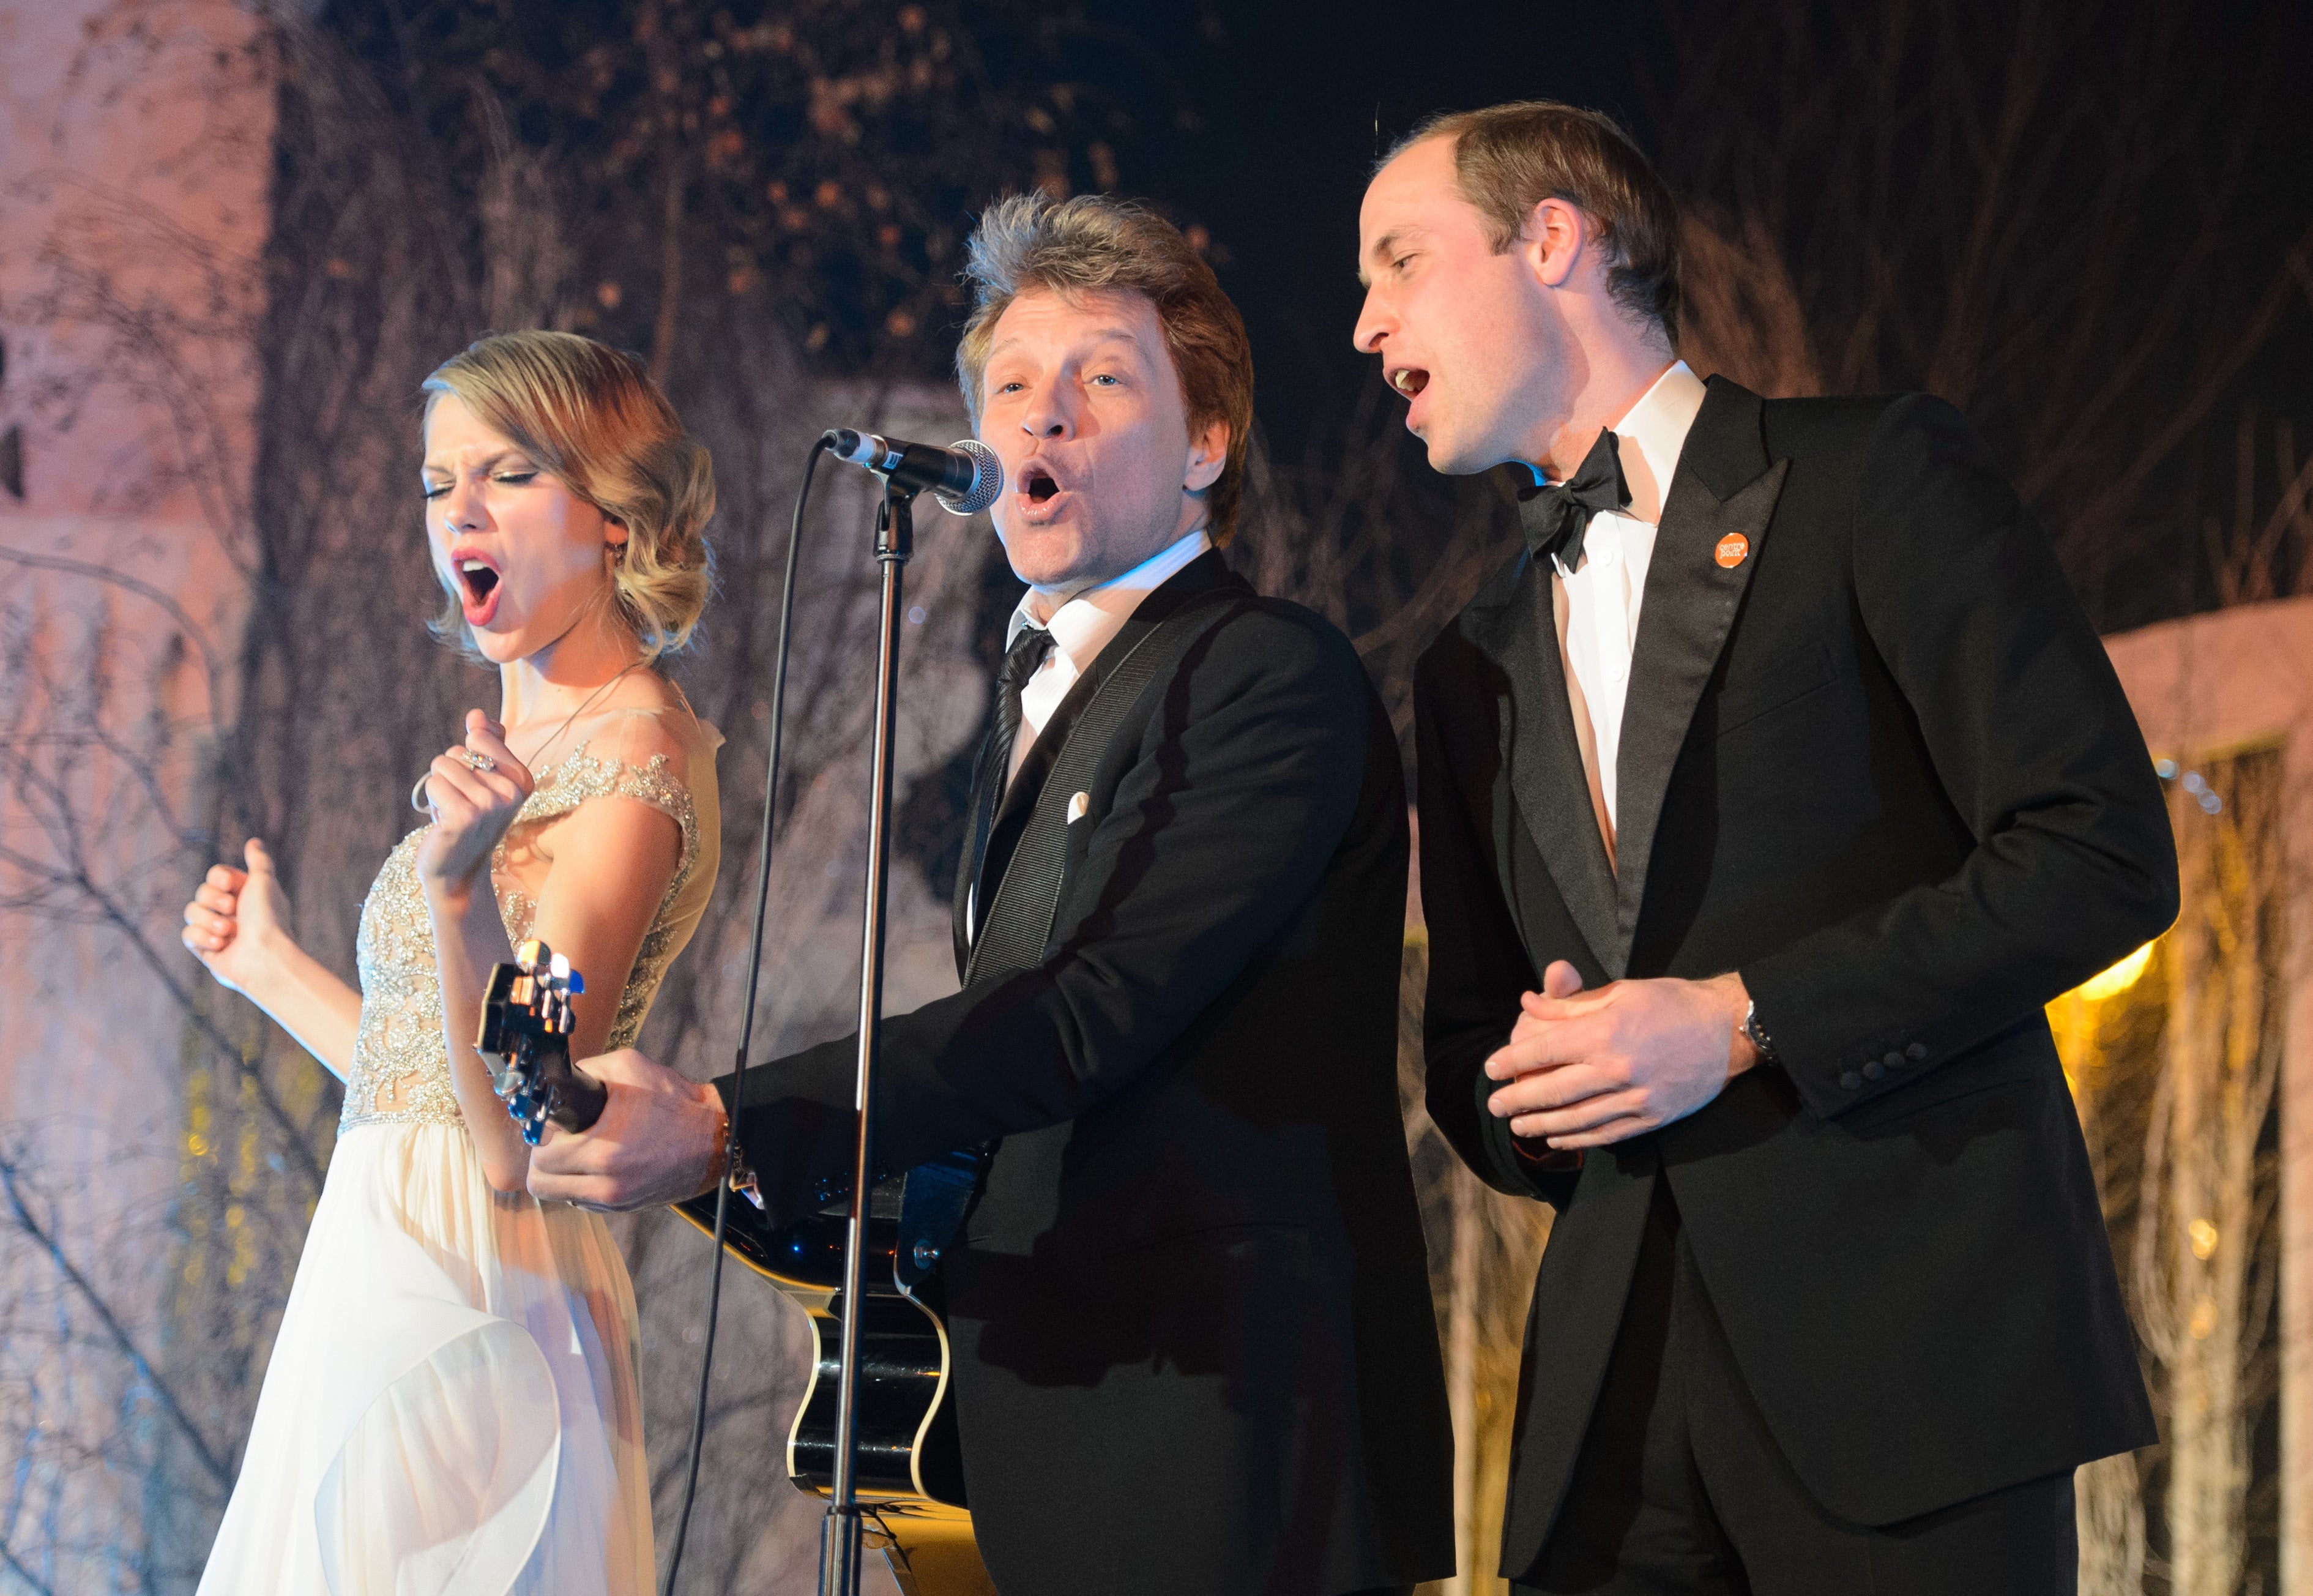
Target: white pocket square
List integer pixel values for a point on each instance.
(1077, 806)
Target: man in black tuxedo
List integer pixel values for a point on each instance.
(1194, 1348)
(1765, 798)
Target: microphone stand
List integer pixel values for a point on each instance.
(840, 1539)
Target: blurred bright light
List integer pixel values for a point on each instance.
(2119, 978)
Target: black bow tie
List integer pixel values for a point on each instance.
(1556, 517)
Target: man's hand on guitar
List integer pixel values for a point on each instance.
(655, 1143)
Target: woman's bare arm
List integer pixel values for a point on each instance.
(237, 925)
(608, 865)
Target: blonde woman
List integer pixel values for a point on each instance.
(452, 1404)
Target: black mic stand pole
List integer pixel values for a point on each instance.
(840, 1538)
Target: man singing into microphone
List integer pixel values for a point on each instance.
(1767, 796)
(1194, 1348)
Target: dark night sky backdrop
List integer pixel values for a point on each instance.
(1259, 120)
(1288, 95)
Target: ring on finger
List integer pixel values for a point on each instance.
(478, 762)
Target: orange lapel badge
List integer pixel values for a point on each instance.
(1732, 549)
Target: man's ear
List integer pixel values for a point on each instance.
(1556, 235)
(1208, 454)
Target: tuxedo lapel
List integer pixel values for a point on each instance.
(984, 868)
(1545, 761)
(975, 846)
(1724, 489)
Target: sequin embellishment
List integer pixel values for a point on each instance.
(398, 1053)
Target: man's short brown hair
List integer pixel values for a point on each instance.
(1094, 244)
(1509, 158)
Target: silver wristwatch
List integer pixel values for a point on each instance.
(736, 1171)
(743, 1175)
(1757, 1034)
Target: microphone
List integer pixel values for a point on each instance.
(965, 477)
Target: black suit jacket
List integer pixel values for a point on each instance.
(1881, 767)
(1195, 1349)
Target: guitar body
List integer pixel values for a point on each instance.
(908, 1460)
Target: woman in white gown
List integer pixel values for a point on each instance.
(451, 1408)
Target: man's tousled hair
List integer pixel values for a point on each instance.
(1509, 158)
(1093, 245)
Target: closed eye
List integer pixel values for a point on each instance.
(512, 479)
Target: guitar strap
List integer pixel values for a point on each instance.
(1020, 920)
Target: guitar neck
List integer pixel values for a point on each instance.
(524, 1035)
(564, 1093)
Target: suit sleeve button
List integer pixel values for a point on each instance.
(1873, 1071)
(1894, 1061)
(1849, 1079)
(1916, 1050)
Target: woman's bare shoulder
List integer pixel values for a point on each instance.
(645, 719)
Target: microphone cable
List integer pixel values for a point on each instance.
(747, 1025)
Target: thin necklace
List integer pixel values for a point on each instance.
(533, 762)
(417, 793)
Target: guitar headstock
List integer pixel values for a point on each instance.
(526, 1034)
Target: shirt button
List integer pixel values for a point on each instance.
(1916, 1050)
(1616, 669)
(1874, 1070)
(1894, 1061)
(1849, 1079)
(1602, 554)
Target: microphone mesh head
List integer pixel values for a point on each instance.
(985, 486)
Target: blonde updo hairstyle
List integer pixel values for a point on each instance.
(592, 416)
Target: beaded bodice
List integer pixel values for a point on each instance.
(400, 1073)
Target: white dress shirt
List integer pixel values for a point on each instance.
(1598, 602)
(1081, 628)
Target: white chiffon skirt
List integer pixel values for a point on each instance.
(451, 1408)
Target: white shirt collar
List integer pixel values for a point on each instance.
(1083, 626)
(1657, 425)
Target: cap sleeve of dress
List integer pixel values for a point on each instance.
(665, 759)
(633, 756)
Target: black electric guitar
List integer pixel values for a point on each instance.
(910, 1467)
